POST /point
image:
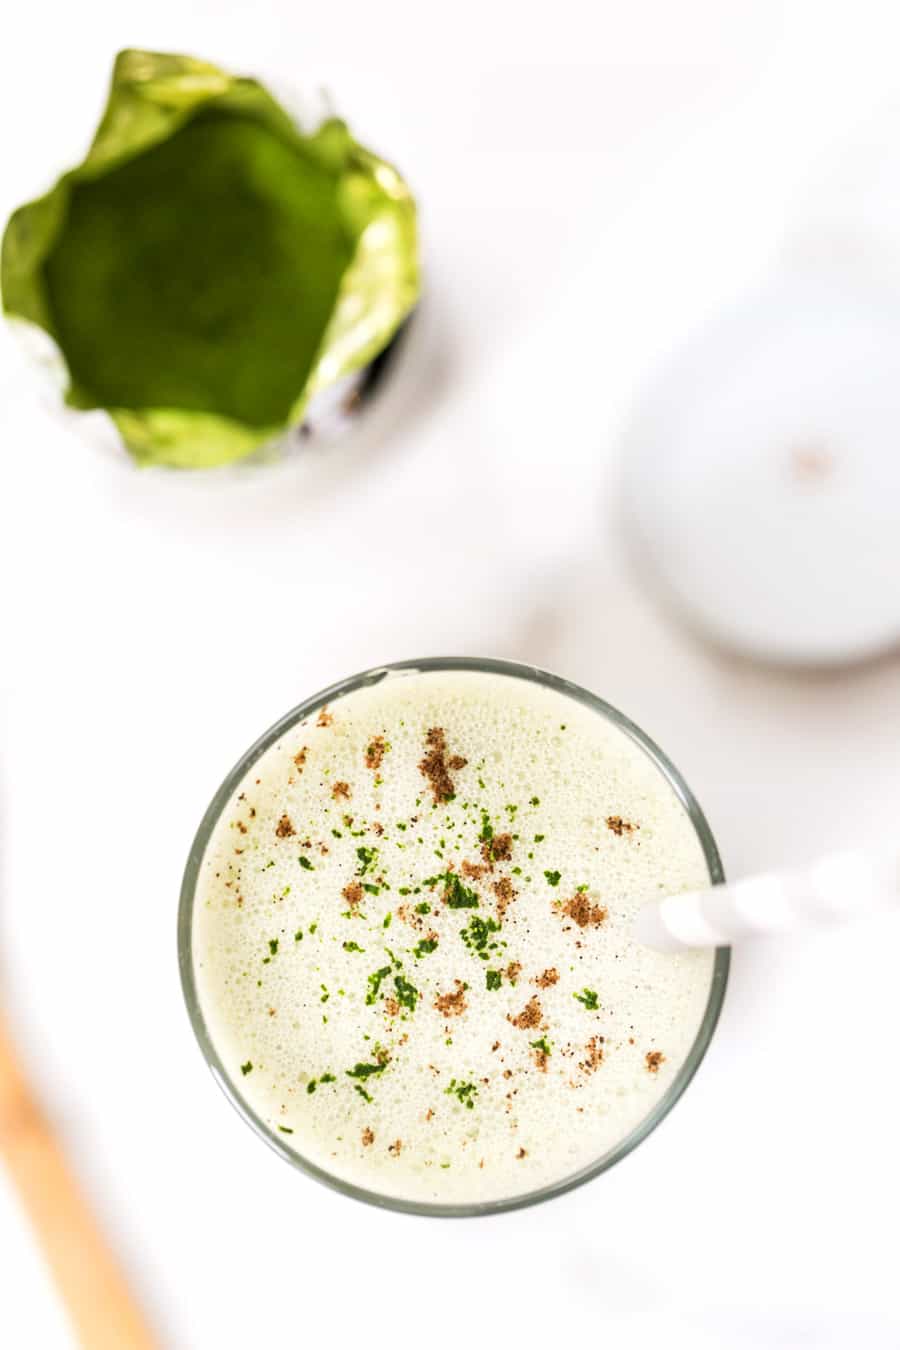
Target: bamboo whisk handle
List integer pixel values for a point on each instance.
(87, 1275)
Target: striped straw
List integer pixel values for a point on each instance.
(839, 887)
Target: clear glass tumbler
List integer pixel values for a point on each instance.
(186, 911)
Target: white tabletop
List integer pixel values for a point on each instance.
(595, 181)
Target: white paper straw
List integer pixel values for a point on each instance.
(839, 887)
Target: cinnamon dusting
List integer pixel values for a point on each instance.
(503, 889)
(530, 1016)
(583, 912)
(352, 893)
(375, 752)
(451, 1005)
(436, 765)
(594, 1049)
(498, 849)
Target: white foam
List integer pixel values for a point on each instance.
(522, 742)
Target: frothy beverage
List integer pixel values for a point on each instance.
(411, 937)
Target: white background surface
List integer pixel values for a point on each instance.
(595, 180)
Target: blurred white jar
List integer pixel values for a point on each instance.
(763, 472)
(763, 467)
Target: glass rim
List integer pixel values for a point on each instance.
(478, 665)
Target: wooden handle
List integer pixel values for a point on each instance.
(94, 1290)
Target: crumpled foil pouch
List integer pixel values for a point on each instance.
(210, 266)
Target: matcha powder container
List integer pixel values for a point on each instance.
(210, 266)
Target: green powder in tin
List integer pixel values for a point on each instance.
(200, 275)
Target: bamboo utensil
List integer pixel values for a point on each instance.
(93, 1288)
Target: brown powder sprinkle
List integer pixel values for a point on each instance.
(530, 1016)
(594, 1059)
(654, 1058)
(285, 827)
(521, 1153)
(391, 1007)
(436, 766)
(353, 893)
(503, 889)
(367, 1137)
(513, 971)
(549, 977)
(451, 1005)
(300, 757)
(375, 752)
(541, 1058)
(585, 914)
(378, 827)
(620, 826)
(325, 718)
(395, 1147)
(473, 871)
(429, 1114)
(341, 789)
(500, 847)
